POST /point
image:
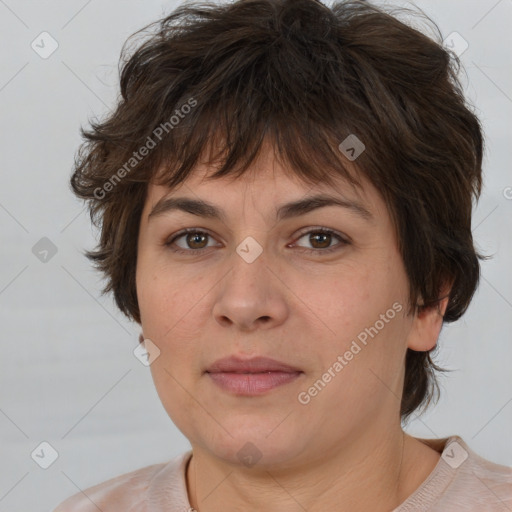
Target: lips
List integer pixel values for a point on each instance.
(251, 376)
(253, 365)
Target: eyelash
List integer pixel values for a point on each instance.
(326, 231)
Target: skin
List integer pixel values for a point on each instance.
(345, 449)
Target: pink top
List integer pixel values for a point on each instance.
(461, 481)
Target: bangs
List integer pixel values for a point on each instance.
(228, 138)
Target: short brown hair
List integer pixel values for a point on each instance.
(305, 76)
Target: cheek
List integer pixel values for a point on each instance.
(339, 301)
(359, 312)
(174, 310)
(167, 297)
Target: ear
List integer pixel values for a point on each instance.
(427, 324)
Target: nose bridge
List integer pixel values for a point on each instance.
(249, 293)
(248, 264)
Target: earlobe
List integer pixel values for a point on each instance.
(426, 326)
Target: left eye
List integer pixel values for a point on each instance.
(196, 240)
(323, 238)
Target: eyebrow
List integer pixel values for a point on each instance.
(202, 208)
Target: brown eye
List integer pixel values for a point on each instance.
(196, 240)
(321, 239)
(190, 240)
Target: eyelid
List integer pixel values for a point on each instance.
(343, 239)
(321, 229)
(171, 240)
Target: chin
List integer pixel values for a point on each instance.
(262, 444)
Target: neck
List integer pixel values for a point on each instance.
(373, 473)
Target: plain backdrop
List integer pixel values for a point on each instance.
(68, 375)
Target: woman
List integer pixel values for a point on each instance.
(285, 194)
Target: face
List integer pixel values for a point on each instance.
(321, 290)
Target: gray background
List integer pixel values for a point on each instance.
(67, 372)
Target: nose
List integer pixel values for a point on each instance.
(250, 296)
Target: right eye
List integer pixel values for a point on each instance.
(194, 240)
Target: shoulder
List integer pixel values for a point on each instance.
(487, 483)
(475, 483)
(124, 492)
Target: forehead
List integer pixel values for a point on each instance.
(265, 182)
(279, 205)
(269, 187)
